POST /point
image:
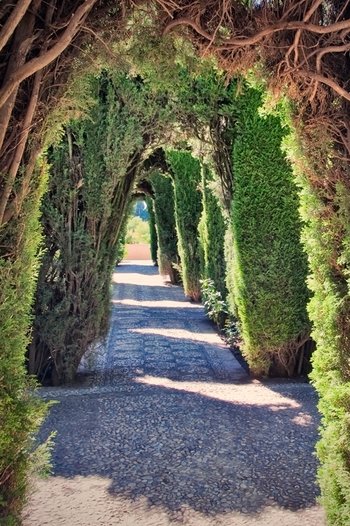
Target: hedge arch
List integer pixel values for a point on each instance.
(94, 169)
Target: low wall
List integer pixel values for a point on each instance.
(139, 252)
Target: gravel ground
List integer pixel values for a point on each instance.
(165, 427)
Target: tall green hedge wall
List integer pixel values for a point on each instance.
(20, 412)
(269, 266)
(186, 173)
(164, 211)
(93, 174)
(326, 229)
(212, 234)
(152, 231)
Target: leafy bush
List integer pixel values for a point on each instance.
(186, 173)
(21, 412)
(213, 302)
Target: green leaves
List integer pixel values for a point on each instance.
(164, 211)
(267, 286)
(186, 174)
(93, 173)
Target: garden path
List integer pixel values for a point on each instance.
(166, 428)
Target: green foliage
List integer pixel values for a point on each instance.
(152, 231)
(212, 233)
(20, 411)
(93, 173)
(326, 237)
(186, 172)
(164, 211)
(137, 230)
(213, 302)
(269, 267)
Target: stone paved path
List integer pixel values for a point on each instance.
(167, 428)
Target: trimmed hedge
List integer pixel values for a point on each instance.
(212, 234)
(163, 203)
(186, 174)
(93, 174)
(269, 266)
(326, 237)
(152, 231)
(20, 412)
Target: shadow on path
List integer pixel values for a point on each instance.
(172, 417)
(176, 447)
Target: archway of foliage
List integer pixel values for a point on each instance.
(302, 49)
(94, 169)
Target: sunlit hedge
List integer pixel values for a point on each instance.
(186, 173)
(269, 266)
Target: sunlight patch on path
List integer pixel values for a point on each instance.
(205, 337)
(248, 394)
(156, 304)
(87, 501)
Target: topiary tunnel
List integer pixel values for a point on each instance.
(235, 117)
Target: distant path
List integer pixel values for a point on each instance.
(168, 429)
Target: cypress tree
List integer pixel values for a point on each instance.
(152, 231)
(186, 173)
(212, 234)
(164, 212)
(269, 266)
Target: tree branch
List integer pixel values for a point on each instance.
(329, 82)
(255, 39)
(42, 61)
(13, 21)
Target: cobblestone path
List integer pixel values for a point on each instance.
(167, 428)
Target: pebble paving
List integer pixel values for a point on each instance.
(170, 421)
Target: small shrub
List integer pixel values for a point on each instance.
(213, 302)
